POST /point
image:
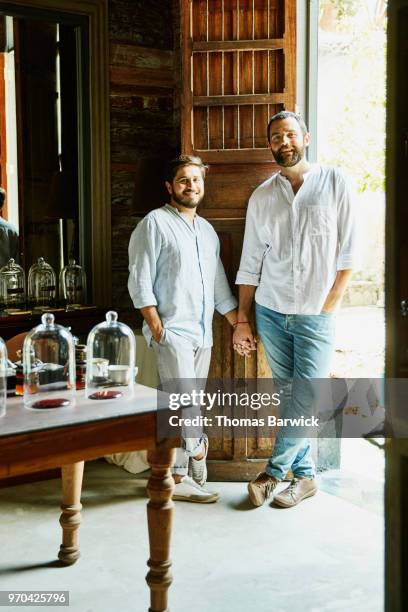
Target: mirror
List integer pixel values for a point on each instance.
(54, 134)
(41, 101)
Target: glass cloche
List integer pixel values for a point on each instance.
(110, 361)
(72, 283)
(41, 284)
(12, 285)
(3, 377)
(48, 365)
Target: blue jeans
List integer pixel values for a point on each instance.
(296, 346)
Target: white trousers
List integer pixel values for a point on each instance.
(178, 359)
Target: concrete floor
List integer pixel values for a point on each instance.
(326, 555)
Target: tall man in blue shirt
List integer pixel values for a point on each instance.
(177, 279)
(298, 252)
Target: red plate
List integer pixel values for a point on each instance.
(105, 395)
(57, 402)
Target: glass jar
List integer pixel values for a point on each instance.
(12, 285)
(3, 377)
(48, 365)
(72, 284)
(41, 284)
(110, 360)
(80, 364)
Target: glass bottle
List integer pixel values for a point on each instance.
(48, 365)
(80, 364)
(41, 284)
(3, 377)
(72, 284)
(12, 285)
(110, 360)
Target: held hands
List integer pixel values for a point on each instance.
(243, 339)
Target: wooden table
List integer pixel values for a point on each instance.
(34, 440)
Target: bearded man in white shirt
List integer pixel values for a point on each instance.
(297, 258)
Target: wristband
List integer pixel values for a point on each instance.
(239, 322)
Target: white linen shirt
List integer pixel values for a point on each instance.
(294, 244)
(177, 267)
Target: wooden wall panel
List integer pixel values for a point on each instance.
(143, 135)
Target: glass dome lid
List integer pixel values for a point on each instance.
(72, 283)
(48, 365)
(41, 283)
(12, 285)
(110, 361)
(3, 377)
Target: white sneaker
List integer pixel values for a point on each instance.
(188, 490)
(197, 469)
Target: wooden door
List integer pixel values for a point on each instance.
(237, 70)
(396, 491)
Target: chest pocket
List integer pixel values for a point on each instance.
(318, 221)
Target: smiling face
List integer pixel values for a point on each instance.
(287, 142)
(187, 187)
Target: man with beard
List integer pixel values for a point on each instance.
(177, 279)
(298, 252)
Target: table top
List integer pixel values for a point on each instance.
(21, 420)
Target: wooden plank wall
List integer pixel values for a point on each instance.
(143, 133)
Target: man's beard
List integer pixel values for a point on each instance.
(288, 160)
(186, 202)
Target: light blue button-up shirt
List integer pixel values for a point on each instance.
(175, 265)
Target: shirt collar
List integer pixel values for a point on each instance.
(183, 216)
(312, 170)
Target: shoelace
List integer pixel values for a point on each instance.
(292, 486)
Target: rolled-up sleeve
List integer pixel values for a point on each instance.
(348, 254)
(144, 250)
(223, 298)
(250, 267)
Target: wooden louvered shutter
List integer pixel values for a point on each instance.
(238, 69)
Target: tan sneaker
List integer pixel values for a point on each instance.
(260, 489)
(298, 490)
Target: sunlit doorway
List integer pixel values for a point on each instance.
(351, 79)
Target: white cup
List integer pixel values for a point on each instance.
(119, 374)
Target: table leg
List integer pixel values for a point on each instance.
(160, 518)
(71, 507)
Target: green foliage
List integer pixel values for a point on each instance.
(344, 8)
(356, 138)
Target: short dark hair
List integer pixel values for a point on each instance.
(285, 115)
(183, 160)
(2, 196)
